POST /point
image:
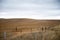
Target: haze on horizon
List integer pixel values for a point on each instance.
(37, 9)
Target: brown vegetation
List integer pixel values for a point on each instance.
(30, 29)
(19, 24)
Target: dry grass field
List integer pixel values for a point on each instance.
(29, 29)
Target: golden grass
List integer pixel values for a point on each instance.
(29, 28)
(16, 24)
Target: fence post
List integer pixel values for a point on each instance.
(4, 35)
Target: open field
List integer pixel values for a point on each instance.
(14, 25)
(29, 29)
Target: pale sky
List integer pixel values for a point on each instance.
(37, 9)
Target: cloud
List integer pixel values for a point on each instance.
(30, 9)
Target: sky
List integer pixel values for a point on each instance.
(36, 9)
